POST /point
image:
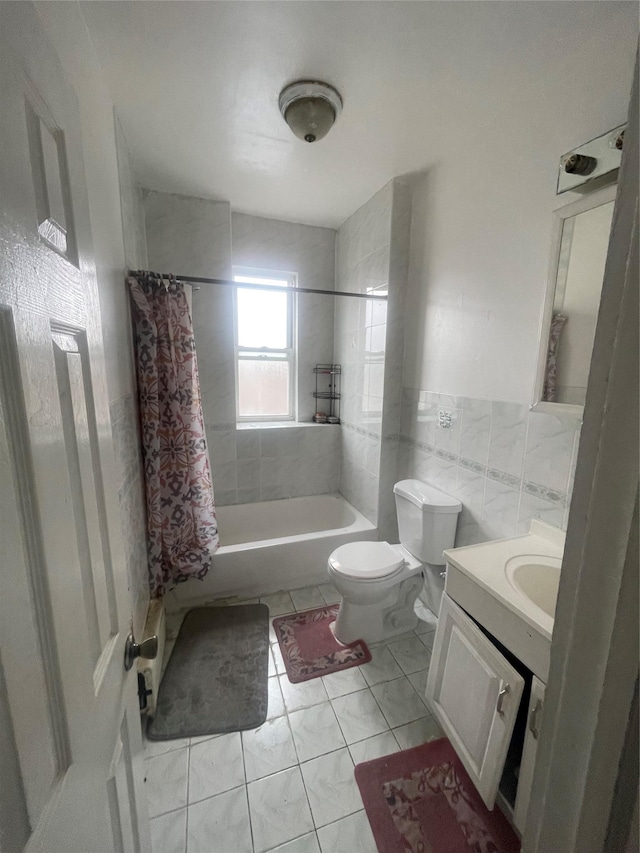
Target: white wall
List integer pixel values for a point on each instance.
(310, 252)
(481, 225)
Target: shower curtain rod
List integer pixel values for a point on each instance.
(190, 279)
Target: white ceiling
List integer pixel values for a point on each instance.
(196, 87)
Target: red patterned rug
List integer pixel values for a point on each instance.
(421, 800)
(309, 648)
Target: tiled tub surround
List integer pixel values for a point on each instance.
(192, 236)
(289, 785)
(506, 465)
(310, 252)
(362, 265)
(264, 463)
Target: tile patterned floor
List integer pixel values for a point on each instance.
(288, 786)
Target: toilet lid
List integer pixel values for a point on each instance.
(366, 560)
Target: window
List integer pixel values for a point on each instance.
(265, 357)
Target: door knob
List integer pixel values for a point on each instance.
(132, 650)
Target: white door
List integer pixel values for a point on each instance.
(474, 693)
(64, 604)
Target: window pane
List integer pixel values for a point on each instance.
(263, 388)
(262, 319)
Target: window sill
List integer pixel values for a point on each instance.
(278, 425)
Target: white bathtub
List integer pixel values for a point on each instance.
(274, 545)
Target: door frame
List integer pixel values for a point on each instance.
(594, 652)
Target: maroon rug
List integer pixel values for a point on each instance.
(309, 648)
(422, 800)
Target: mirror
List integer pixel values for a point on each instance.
(579, 250)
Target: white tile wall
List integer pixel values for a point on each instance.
(507, 465)
(372, 252)
(310, 252)
(254, 464)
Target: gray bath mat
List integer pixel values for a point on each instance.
(216, 678)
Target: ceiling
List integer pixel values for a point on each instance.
(196, 88)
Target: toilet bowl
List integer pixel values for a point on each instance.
(378, 581)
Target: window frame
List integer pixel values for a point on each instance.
(287, 354)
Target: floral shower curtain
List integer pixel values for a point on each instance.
(181, 520)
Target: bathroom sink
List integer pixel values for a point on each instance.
(510, 587)
(536, 576)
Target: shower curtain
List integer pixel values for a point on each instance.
(549, 394)
(181, 521)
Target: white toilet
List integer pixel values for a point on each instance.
(379, 582)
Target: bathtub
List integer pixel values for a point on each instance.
(274, 545)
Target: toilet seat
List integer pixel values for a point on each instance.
(367, 561)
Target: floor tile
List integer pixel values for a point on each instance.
(220, 823)
(315, 731)
(273, 637)
(305, 844)
(268, 749)
(307, 598)
(166, 781)
(373, 747)
(279, 809)
(359, 716)
(193, 741)
(272, 664)
(410, 654)
(331, 787)
(417, 732)
(169, 832)
(303, 695)
(382, 667)
(159, 747)
(275, 706)
(350, 835)
(427, 640)
(277, 657)
(398, 701)
(419, 681)
(215, 766)
(343, 682)
(330, 593)
(279, 603)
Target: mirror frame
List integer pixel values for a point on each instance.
(593, 199)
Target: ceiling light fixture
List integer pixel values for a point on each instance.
(310, 108)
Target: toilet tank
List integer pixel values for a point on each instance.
(427, 519)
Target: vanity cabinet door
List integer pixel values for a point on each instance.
(529, 753)
(474, 693)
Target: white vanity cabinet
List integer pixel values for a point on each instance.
(475, 692)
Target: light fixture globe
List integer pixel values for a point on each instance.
(310, 108)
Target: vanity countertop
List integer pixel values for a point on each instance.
(490, 565)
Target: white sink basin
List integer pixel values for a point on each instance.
(510, 587)
(537, 576)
